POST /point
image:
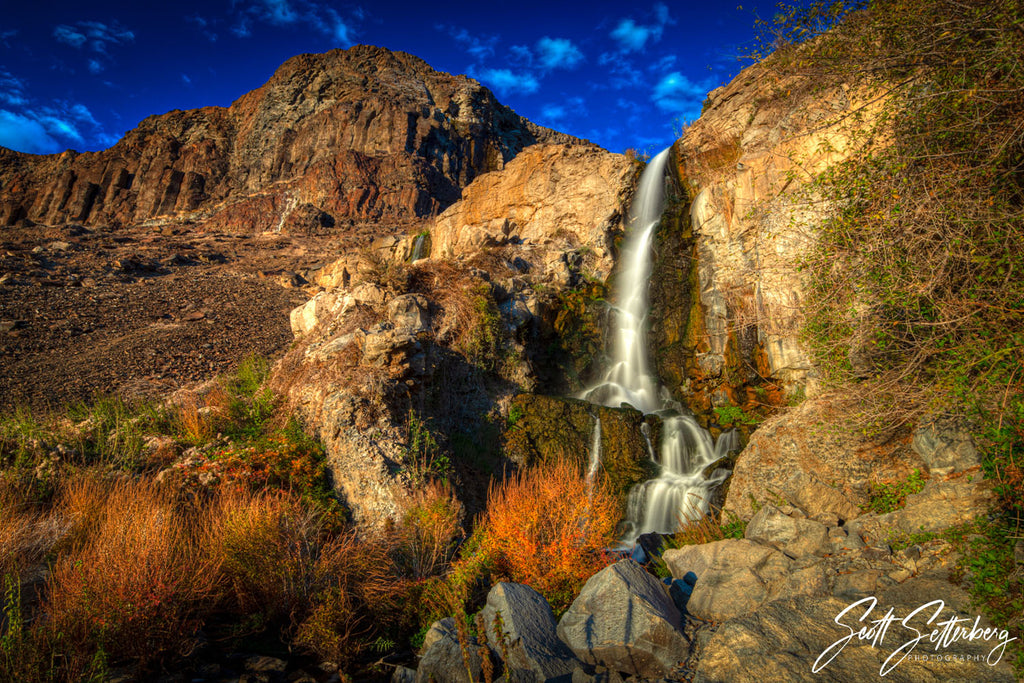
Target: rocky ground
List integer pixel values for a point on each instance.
(803, 596)
(141, 312)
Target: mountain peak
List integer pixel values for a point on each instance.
(346, 136)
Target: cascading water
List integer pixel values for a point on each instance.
(681, 488)
(418, 247)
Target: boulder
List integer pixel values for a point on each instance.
(409, 313)
(822, 503)
(625, 620)
(550, 429)
(783, 640)
(729, 577)
(306, 317)
(941, 505)
(794, 537)
(443, 657)
(944, 444)
(734, 577)
(799, 441)
(528, 628)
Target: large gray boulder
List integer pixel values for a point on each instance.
(442, 656)
(941, 505)
(733, 577)
(944, 444)
(625, 620)
(795, 537)
(528, 628)
(822, 503)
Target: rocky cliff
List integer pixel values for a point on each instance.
(353, 135)
(728, 289)
(393, 349)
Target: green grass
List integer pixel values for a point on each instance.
(887, 497)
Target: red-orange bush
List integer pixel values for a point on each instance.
(550, 530)
(138, 581)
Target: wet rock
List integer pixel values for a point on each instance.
(625, 620)
(549, 429)
(528, 627)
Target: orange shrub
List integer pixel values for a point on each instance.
(25, 534)
(550, 530)
(285, 565)
(138, 583)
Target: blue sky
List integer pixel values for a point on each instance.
(78, 75)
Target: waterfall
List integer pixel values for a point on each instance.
(681, 488)
(418, 247)
(595, 452)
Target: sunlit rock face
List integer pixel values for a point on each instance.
(745, 169)
(346, 136)
(461, 334)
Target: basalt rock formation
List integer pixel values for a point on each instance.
(363, 134)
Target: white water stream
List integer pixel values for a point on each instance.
(680, 490)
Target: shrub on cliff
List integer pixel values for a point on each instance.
(548, 528)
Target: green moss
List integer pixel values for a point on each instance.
(551, 429)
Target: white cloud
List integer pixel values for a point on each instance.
(320, 17)
(633, 36)
(677, 93)
(558, 53)
(97, 34)
(24, 134)
(520, 55)
(95, 66)
(47, 129)
(479, 46)
(506, 81)
(570, 107)
(12, 90)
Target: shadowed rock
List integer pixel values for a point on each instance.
(625, 620)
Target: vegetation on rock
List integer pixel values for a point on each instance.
(916, 297)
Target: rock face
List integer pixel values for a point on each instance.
(548, 429)
(452, 340)
(783, 641)
(518, 203)
(625, 620)
(798, 457)
(734, 261)
(350, 135)
(734, 577)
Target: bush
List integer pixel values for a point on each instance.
(550, 530)
(429, 533)
(137, 584)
